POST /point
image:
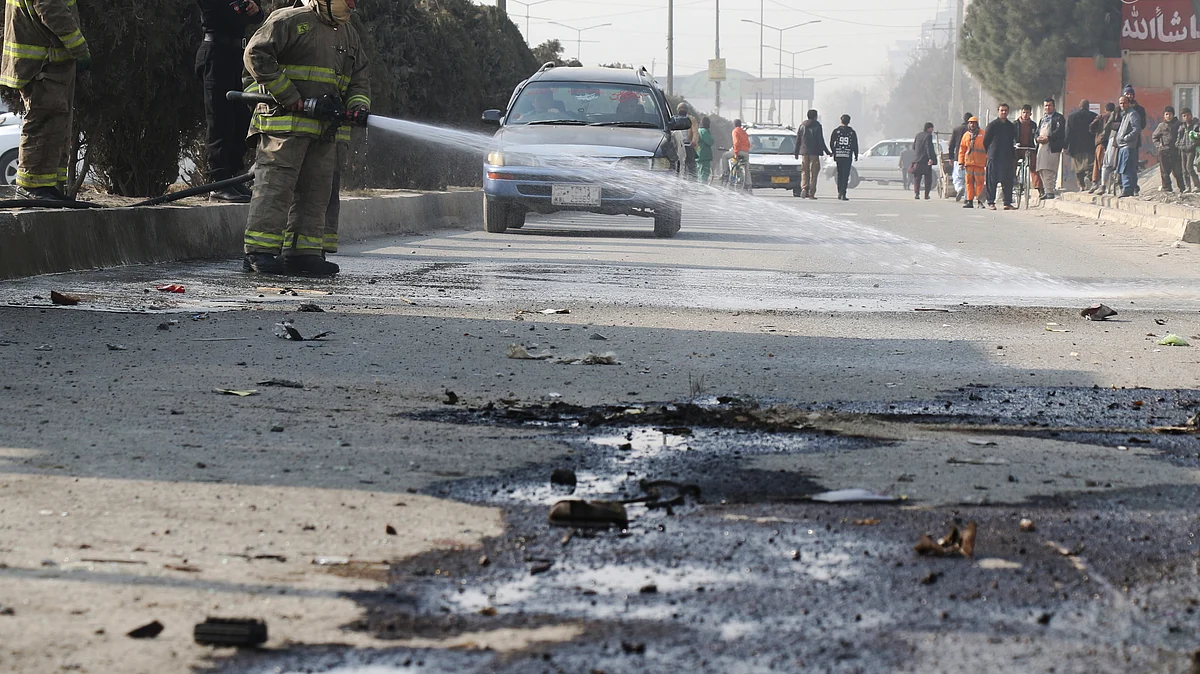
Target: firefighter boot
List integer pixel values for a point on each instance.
(308, 265)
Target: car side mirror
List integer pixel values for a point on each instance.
(493, 116)
(680, 123)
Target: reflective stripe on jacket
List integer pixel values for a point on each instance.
(37, 32)
(295, 55)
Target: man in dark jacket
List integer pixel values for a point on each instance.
(1081, 143)
(922, 166)
(810, 143)
(956, 140)
(219, 67)
(844, 142)
(1000, 140)
(1166, 139)
(1188, 128)
(1051, 139)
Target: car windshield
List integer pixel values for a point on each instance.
(774, 144)
(587, 103)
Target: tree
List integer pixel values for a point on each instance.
(920, 95)
(549, 51)
(1018, 48)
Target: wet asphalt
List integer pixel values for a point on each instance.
(744, 572)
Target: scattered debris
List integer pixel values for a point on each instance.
(117, 347)
(488, 611)
(7, 611)
(286, 330)
(589, 514)
(598, 337)
(200, 317)
(277, 429)
(390, 530)
(283, 383)
(648, 589)
(540, 567)
(185, 568)
(931, 577)
(953, 543)
(451, 398)
(550, 312)
(230, 632)
(291, 291)
(1098, 312)
(978, 462)
(331, 561)
(995, 564)
(484, 561)
(1050, 329)
(1044, 619)
(233, 392)
(981, 442)
(147, 631)
(1172, 339)
(867, 522)
(519, 352)
(564, 477)
(309, 307)
(940, 311)
(1160, 321)
(589, 358)
(1027, 525)
(665, 493)
(631, 648)
(852, 496)
(63, 299)
(170, 288)
(44, 347)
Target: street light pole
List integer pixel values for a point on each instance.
(579, 36)
(527, 5)
(718, 56)
(671, 47)
(793, 55)
(763, 26)
(804, 73)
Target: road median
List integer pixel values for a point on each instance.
(1181, 221)
(49, 241)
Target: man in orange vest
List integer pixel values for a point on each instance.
(973, 158)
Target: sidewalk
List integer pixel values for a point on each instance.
(1175, 219)
(49, 241)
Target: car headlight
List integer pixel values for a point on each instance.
(649, 163)
(511, 159)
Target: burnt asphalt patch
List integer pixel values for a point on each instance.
(753, 577)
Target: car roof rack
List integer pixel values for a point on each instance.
(546, 66)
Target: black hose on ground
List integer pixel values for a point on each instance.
(193, 191)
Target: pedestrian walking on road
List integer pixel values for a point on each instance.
(303, 52)
(955, 140)
(1189, 135)
(973, 158)
(999, 141)
(1052, 137)
(1128, 140)
(704, 153)
(1166, 139)
(691, 139)
(844, 141)
(907, 157)
(926, 157)
(810, 143)
(219, 66)
(1081, 143)
(43, 50)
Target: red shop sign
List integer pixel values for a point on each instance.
(1159, 25)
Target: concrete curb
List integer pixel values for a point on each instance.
(42, 242)
(1180, 221)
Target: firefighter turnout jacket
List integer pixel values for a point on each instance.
(37, 32)
(297, 55)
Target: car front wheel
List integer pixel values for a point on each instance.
(8, 167)
(495, 216)
(667, 220)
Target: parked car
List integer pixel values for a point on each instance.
(10, 140)
(575, 139)
(880, 163)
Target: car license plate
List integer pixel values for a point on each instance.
(575, 195)
(780, 180)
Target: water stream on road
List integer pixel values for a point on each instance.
(947, 273)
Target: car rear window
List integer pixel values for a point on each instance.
(585, 102)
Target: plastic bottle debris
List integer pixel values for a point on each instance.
(241, 632)
(1172, 339)
(1098, 312)
(852, 496)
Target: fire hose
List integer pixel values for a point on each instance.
(326, 108)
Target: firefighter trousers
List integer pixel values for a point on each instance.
(333, 212)
(293, 177)
(45, 148)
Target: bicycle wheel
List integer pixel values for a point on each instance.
(1026, 188)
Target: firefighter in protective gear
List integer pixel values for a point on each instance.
(304, 52)
(973, 158)
(43, 48)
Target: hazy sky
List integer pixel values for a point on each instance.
(857, 32)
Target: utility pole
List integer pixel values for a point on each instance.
(956, 70)
(502, 5)
(762, 18)
(671, 47)
(718, 55)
